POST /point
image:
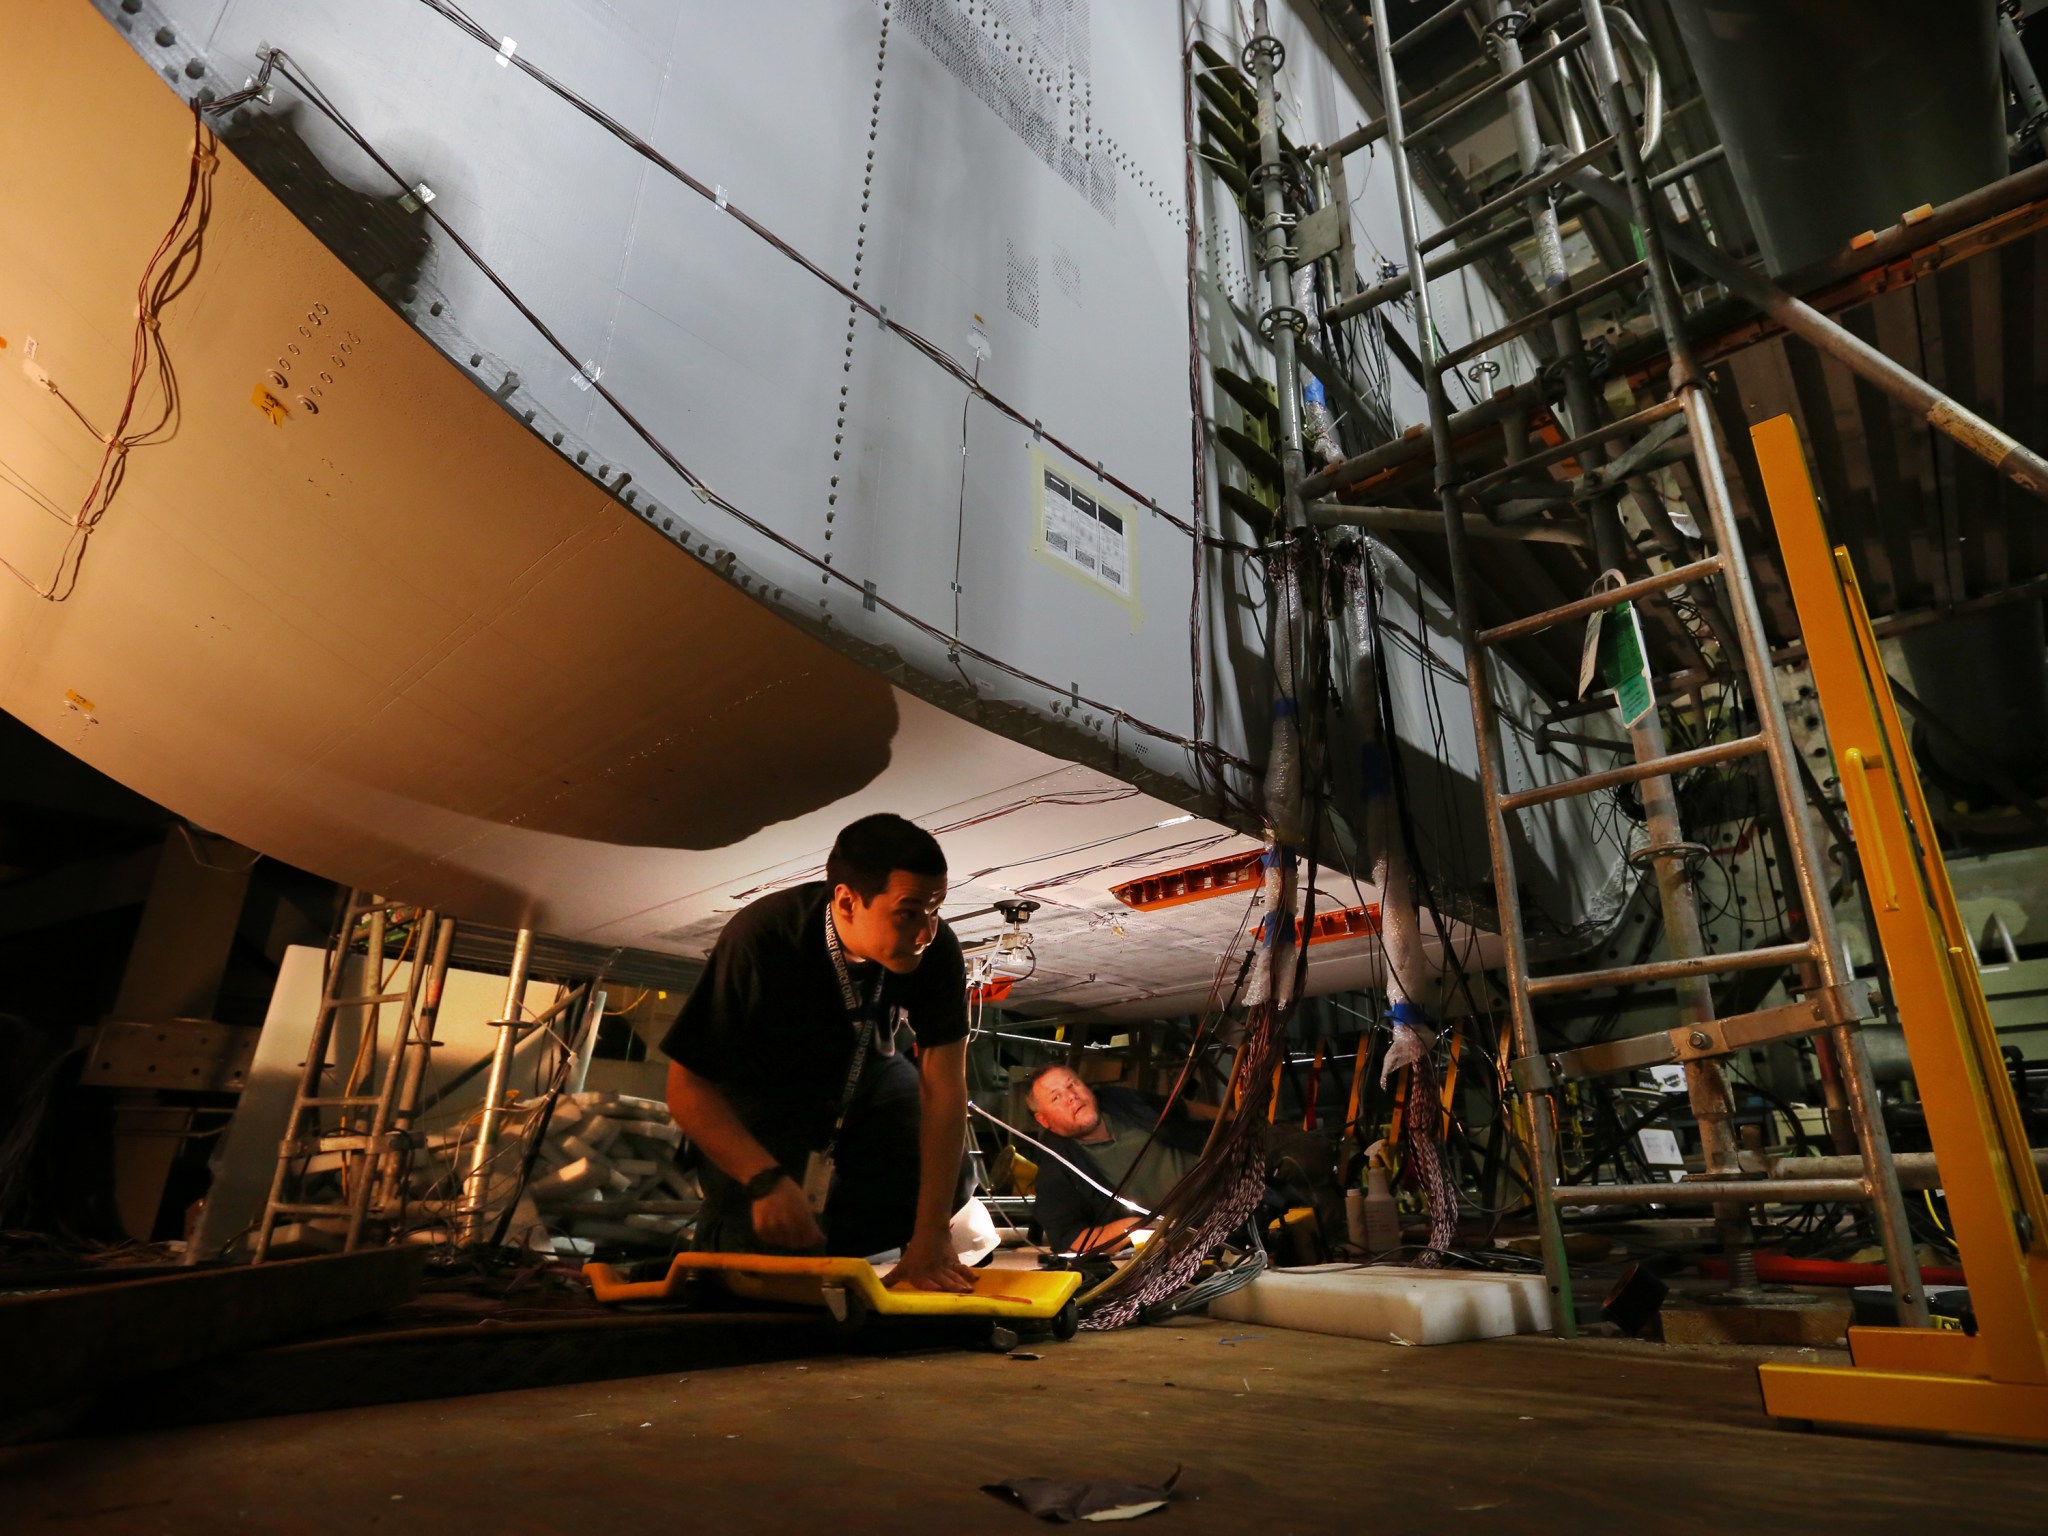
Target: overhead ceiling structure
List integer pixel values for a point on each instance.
(1895, 125)
(349, 610)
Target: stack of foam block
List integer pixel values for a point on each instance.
(606, 1175)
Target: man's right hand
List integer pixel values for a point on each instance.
(783, 1219)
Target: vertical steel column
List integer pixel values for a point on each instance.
(422, 1043)
(586, 1040)
(1281, 322)
(370, 1165)
(1706, 1082)
(1609, 543)
(420, 1049)
(1539, 1107)
(476, 1195)
(2026, 84)
(1888, 1204)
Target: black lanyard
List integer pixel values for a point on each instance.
(860, 1017)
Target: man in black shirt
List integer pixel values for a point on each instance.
(1113, 1147)
(786, 1054)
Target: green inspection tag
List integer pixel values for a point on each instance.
(1624, 666)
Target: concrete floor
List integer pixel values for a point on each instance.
(1276, 1432)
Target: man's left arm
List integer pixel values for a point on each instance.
(929, 1263)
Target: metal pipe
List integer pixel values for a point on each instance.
(586, 1042)
(1690, 167)
(1426, 28)
(1900, 240)
(1916, 1170)
(1281, 322)
(1534, 64)
(1536, 623)
(1526, 188)
(477, 1186)
(1768, 958)
(1335, 514)
(1565, 109)
(1834, 1098)
(377, 1143)
(2011, 458)
(1649, 416)
(1717, 1192)
(1706, 1078)
(1406, 450)
(1635, 773)
(1371, 133)
(1522, 325)
(419, 1052)
(422, 1044)
(1539, 1108)
(1874, 1148)
(1567, 336)
(1860, 1089)
(1613, 101)
(1442, 263)
(2026, 84)
(1648, 72)
(1906, 622)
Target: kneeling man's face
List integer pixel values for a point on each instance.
(898, 926)
(1064, 1105)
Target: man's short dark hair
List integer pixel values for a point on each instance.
(868, 851)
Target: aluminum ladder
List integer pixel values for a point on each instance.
(374, 1126)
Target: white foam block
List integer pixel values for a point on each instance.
(1399, 1306)
(581, 1174)
(667, 1135)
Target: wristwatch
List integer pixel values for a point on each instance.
(764, 1181)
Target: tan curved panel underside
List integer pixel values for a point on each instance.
(397, 641)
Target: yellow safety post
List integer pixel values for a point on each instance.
(1992, 1383)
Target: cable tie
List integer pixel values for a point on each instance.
(506, 48)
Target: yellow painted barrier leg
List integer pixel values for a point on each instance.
(1993, 1383)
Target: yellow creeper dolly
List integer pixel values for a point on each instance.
(852, 1293)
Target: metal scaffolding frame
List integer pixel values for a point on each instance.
(1833, 1001)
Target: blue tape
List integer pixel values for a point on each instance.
(1285, 707)
(1407, 1013)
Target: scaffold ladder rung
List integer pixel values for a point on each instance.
(1609, 597)
(1667, 766)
